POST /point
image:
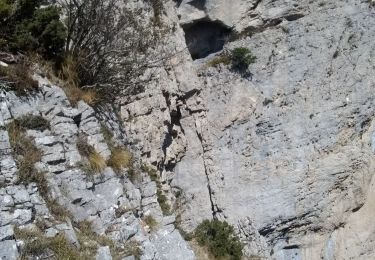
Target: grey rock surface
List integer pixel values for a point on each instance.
(8, 250)
(104, 253)
(286, 155)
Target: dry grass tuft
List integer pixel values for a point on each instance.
(96, 162)
(120, 158)
(221, 59)
(26, 155)
(36, 244)
(69, 73)
(151, 222)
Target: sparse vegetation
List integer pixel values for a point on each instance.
(151, 222)
(69, 73)
(17, 78)
(133, 248)
(120, 158)
(239, 58)
(162, 199)
(221, 59)
(219, 238)
(59, 212)
(26, 155)
(96, 162)
(33, 122)
(36, 244)
(90, 241)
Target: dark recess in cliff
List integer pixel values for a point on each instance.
(205, 37)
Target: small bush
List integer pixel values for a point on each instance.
(218, 236)
(18, 79)
(241, 58)
(120, 158)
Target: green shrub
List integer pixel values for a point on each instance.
(5, 10)
(27, 27)
(218, 236)
(241, 58)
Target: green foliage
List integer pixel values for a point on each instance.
(27, 27)
(5, 9)
(241, 58)
(218, 236)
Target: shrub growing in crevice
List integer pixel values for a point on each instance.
(219, 238)
(239, 58)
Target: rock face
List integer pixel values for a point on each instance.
(286, 155)
(114, 204)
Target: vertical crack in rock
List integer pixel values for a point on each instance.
(175, 115)
(207, 176)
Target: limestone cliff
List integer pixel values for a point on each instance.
(286, 154)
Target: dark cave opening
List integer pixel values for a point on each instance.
(205, 37)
